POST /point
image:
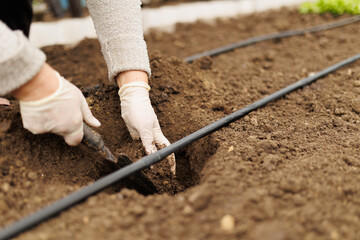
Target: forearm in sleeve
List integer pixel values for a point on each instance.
(118, 24)
(19, 60)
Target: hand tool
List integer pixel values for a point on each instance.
(140, 181)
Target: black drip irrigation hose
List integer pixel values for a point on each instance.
(145, 162)
(272, 36)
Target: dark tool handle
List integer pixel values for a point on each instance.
(94, 140)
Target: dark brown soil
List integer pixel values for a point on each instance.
(290, 170)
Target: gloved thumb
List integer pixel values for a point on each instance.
(87, 115)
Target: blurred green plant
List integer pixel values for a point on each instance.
(335, 7)
(37, 2)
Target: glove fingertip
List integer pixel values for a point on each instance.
(74, 140)
(172, 163)
(92, 121)
(160, 139)
(150, 149)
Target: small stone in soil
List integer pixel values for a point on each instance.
(252, 139)
(138, 210)
(351, 161)
(291, 185)
(32, 176)
(188, 210)
(19, 163)
(356, 83)
(199, 200)
(227, 223)
(270, 162)
(5, 187)
(85, 219)
(267, 146)
(254, 121)
(339, 111)
(355, 104)
(299, 200)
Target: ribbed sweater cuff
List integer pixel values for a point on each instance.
(124, 53)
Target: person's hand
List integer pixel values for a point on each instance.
(49, 103)
(139, 115)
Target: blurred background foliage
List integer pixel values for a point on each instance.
(336, 7)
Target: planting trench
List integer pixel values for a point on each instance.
(287, 171)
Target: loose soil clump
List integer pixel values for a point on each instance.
(287, 171)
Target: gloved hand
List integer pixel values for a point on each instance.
(62, 113)
(141, 120)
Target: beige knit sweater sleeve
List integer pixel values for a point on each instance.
(118, 24)
(19, 60)
(119, 28)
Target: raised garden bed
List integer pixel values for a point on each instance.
(287, 171)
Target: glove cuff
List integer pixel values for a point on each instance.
(134, 84)
(48, 98)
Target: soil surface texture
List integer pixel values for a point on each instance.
(288, 171)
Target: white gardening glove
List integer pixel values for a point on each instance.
(62, 113)
(141, 120)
